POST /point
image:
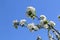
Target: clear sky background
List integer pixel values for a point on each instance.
(15, 9)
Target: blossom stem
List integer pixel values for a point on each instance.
(53, 29)
(37, 17)
(56, 33)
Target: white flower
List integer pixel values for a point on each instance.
(51, 23)
(32, 27)
(22, 22)
(42, 17)
(31, 12)
(15, 23)
(44, 23)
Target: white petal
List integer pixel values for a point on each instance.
(46, 26)
(15, 21)
(31, 8)
(36, 28)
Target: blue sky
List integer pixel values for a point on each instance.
(15, 9)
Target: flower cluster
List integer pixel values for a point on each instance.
(17, 23)
(44, 22)
(31, 12)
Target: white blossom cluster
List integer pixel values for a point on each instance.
(31, 12)
(16, 23)
(44, 22)
(32, 27)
